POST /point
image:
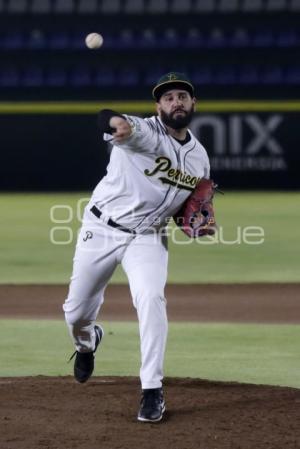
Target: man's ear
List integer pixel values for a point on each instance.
(158, 108)
(194, 103)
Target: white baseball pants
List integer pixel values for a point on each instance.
(100, 248)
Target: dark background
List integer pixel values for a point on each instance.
(231, 50)
(66, 152)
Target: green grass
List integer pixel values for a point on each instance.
(260, 354)
(28, 256)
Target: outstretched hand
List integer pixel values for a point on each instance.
(122, 128)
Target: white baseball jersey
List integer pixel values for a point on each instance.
(149, 176)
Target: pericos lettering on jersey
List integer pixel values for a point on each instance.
(174, 177)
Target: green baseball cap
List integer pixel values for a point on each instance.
(172, 80)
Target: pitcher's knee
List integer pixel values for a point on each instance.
(150, 299)
(77, 311)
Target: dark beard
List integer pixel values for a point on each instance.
(179, 122)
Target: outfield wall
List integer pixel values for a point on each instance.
(56, 146)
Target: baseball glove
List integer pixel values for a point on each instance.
(196, 217)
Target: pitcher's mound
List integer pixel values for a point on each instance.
(58, 413)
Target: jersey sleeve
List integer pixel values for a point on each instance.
(206, 167)
(144, 137)
(205, 164)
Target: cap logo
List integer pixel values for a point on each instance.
(172, 77)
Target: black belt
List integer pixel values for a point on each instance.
(110, 222)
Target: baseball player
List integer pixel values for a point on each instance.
(154, 166)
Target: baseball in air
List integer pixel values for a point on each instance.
(94, 41)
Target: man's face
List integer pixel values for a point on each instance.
(176, 108)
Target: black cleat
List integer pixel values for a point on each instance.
(152, 405)
(84, 361)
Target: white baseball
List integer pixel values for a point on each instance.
(94, 40)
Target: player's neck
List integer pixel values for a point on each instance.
(179, 134)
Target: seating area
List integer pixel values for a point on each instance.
(109, 7)
(224, 45)
(81, 76)
(150, 38)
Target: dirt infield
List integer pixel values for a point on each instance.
(58, 413)
(269, 303)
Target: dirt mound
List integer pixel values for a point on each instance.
(58, 413)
